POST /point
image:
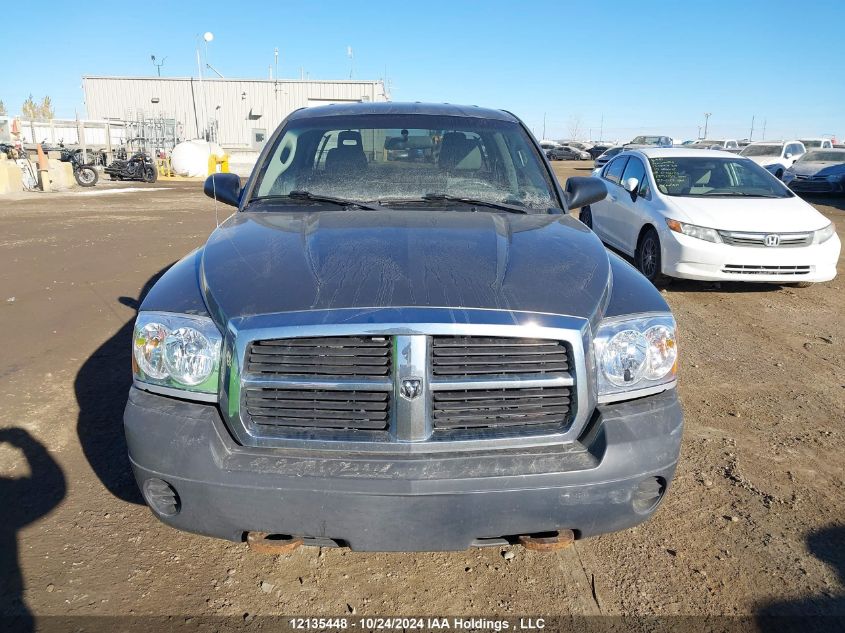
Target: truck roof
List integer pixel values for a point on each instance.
(398, 107)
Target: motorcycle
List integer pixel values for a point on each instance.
(140, 166)
(84, 173)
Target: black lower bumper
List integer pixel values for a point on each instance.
(400, 502)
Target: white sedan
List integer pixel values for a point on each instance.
(710, 215)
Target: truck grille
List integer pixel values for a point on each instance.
(344, 356)
(466, 356)
(440, 387)
(496, 408)
(318, 408)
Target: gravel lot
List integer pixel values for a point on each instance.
(754, 524)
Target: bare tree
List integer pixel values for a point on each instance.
(29, 109)
(574, 126)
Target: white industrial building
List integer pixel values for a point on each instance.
(239, 114)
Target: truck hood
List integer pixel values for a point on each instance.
(768, 215)
(269, 262)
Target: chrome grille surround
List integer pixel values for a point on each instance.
(743, 238)
(411, 427)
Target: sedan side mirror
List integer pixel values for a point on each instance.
(631, 185)
(788, 155)
(581, 191)
(225, 188)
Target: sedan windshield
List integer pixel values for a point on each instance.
(828, 156)
(414, 158)
(715, 177)
(762, 150)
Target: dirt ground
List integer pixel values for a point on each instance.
(754, 523)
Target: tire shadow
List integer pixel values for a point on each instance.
(23, 500)
(102, 388)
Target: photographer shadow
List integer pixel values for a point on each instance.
(824, 612)
(24, 500)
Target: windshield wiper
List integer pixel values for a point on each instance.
(737, 194)
(443, 197)
(299, 194)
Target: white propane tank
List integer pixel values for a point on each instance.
(190, 158)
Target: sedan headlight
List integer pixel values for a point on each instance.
(177, 352)
(823, 235)
(635, 356)
(699, 232)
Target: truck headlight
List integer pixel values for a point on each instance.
(698, 232)
(177, 352)
(823, 235)
(635, 356)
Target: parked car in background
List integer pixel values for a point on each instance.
(776, 156)
(816, 143)
(403, 356)
(650, 141)
(710, 215)
(818, 171)
(566, 152)
(598, 149)
(725, 144)
(577, 144)
(607, 155)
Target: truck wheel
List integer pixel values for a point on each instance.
(647, 257)
(86, 176)
(586, 217)
(801, 284)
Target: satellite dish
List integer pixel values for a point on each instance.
(208, 36)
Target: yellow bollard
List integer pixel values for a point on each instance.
(218, 164)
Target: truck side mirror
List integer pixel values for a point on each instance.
(581, 191)
(225, 188)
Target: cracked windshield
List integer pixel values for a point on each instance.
(392, 160)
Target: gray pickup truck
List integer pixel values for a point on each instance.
(396, 355)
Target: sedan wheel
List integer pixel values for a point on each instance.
(648, 256)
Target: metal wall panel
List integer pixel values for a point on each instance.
(238, 106)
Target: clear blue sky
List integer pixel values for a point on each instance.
(648, 66)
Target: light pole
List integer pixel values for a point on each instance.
(706, 119)
(207, 37)
(159, 64)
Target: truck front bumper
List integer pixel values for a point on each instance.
(390, 502)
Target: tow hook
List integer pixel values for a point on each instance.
(549, 541)
(266, 543)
